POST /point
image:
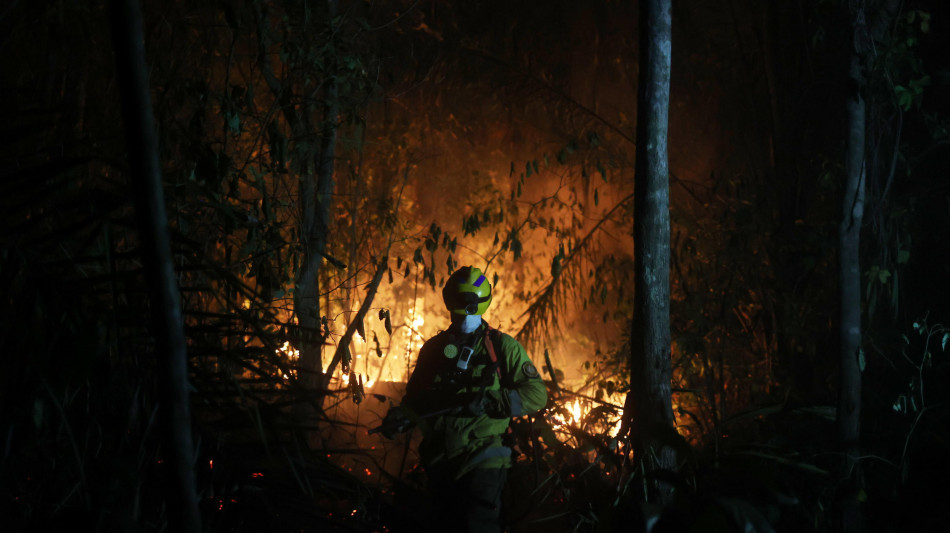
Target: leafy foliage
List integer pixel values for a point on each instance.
(458, 143)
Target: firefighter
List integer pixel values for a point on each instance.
(468, 383)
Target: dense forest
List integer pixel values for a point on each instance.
(221, 253)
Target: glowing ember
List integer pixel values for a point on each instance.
(596, 416)
(575, 410)
(571, 414)
(288, 351)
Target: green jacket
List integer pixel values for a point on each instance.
(460, 441)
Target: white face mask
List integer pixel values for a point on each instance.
(470, 324)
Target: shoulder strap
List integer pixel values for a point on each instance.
(490, 344)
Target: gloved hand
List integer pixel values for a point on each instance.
(493, 403)
(396, 421)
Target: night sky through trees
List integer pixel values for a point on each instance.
(487, 133)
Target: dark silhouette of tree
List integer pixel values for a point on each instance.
(869, 22)
(849, 234)
(649, 401)
(313, 164)
(146, 180)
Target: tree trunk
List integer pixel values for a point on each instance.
(866, 30)
(849, 235)
(315, 195)
(146, 178)
(649, 403)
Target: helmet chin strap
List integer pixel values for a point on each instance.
(470, 323)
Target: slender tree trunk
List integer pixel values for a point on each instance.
(870, 24)
(316, 190)
(146, 178)
(849, 279)
(649, 403)
(849, 235)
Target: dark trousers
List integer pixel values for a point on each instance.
(470, 504)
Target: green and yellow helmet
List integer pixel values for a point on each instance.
(467, 292)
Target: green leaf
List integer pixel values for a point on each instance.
(471, 224)
(593, 140)
(904, 98)
(943, 343)
(862, 362)
(37, 412)
(379, 349)
(883, 275)
(602, 170)
(234, 123)
(899, 403)
(903, 256)
(919, 84)
(556, 266)
(345, 358)
(515, 247)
